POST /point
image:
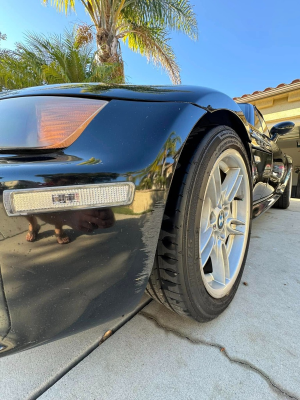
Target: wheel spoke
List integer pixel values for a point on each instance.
(226, 261)
(214, 188)
(231, 184)
(236, 222)
(235, 189)
(220, 262)
(205, 254)
(206, 214)
(205, 237)
(209, 278)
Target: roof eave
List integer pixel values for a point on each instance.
(268, 93)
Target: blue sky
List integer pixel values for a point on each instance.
(243, 45)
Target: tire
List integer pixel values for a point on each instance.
(285, 199)
(178, 279)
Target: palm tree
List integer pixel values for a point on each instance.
(2, 37)
(142, 24)
(3, 51)
(16, 74)
(54, 59)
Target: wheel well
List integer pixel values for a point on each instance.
(208, 121)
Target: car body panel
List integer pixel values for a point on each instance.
(266, 153)
(53, 290)
(49, 290)
(200, 96)
(262, 154)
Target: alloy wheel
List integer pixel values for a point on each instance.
(224, 225)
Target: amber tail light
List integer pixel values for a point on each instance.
(45, 122)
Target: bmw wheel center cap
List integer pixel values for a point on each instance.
(221, 220)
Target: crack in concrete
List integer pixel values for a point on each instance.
(245, 364)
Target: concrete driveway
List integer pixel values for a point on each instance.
(251, 352)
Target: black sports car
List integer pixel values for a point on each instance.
(126, 189)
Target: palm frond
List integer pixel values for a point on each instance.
(54, 75)
(3, 52)
(15, 74)
(175, 15)
(62, 5)
(54, 59)
(153, 42)
(105, 73)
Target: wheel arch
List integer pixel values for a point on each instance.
(207, 121)
(223, 117)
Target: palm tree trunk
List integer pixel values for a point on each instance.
(109, 52)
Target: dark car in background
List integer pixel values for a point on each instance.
(127, 189)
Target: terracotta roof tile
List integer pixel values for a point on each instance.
(268, 88)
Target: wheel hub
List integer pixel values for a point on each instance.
(221, 220)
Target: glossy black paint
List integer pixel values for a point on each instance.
(265, 152)
(282, 128)
(53, 290)
(200, 96)
(49, 290)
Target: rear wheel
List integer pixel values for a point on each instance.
(284, 200)
(205, 233)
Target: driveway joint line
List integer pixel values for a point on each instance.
(57, 377)
(244, 364)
